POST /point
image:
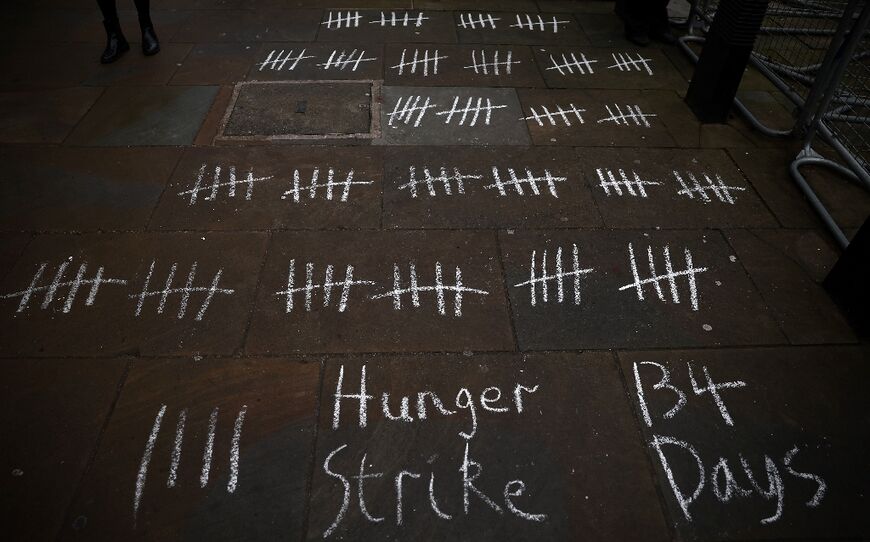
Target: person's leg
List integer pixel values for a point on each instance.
(150, 45)
(116, 44)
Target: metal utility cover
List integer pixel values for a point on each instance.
(270, 110)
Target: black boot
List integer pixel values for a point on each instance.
(150, 45)
(116, 43)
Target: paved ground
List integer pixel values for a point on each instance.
(505, 287)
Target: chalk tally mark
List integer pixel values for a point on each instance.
(185, 292)
(449, 182)
(560, 114)
(558, 277)
(475, 21)
(409, 108)
(471, 107)
(414, 289)
(212, 189)
(400, 19)
(59, 281)
(176, 453)
(570, 64)
(529, 181)
(624, 62)
(537, 22)
(711, 185)
(339, 60)
(670, 276)
(326, 287)
(632, 115)
(494, 66)
(620, 183)
(333, 187)
(277, 60)
(423, 63)
(348, 19)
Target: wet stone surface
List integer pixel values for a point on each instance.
(451, 116)
(260, 188)
(385, 26)
(608, 118)
(752, 451)
(127, 116)
(91, 294)
(705, 298)
(263, 110)
(617, 68)
(81, 189)
(520, 28)
(198, 449)
(316, 61)
(522, 478)
(499, 187)
(373, 291)
(671, 188)
(452, 65)
(52, 413)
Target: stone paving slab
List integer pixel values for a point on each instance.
(371, 291)
(161, 116)
(43, 116)
(848, 203)
(671, 188)
(574, 473)
(47, 65)
(245, 478)
(11, 247)
(614, 67)
(451, 116)
(53, 411)
(50, 314)
(232, 25)
(634, 119)
(605, 29)
(526, 28)
(81, 189)
(314, 61)
(215, 64)
(805, 312)
(136, 70)
(363, 25)
(259, 188)
(794, 415)
(485, 66)
(282, 110)
(167, 20)
(600, 305)
(498, 187)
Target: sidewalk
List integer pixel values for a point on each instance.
(430, 271)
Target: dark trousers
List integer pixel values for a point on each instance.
(646, 16)
(110, 12)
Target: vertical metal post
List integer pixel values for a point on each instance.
(848, 281)
(724, 58)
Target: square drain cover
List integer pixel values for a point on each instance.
(304, 110)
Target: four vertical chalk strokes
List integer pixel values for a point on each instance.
(176, 451)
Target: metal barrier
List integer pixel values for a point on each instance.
(815, 53)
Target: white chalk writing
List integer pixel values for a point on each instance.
(558, 277)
